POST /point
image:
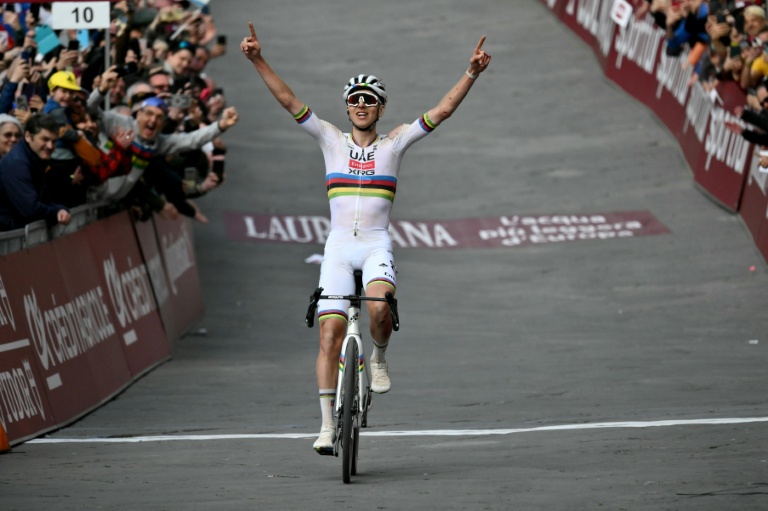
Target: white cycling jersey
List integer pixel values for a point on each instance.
(361, 181)
(361, 184)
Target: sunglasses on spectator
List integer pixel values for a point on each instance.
(368, 99)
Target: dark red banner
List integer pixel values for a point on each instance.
(176, 244)
(635, 58)
(79, 318)
(54, 322)
(128, 292)
(24, 407)
(148, 244)
(93, 322)
(754, 205)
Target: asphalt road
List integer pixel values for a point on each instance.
(601, 374)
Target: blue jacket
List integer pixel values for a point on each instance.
(690, 30)
(22, 173)
(7, 95)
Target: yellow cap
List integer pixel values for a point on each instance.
(64, 79)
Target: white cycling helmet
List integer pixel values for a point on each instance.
(369, 82)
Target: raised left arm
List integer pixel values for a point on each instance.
(451, 101)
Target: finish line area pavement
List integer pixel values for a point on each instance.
(623, 373)
(443, 432)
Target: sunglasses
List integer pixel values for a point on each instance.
(368, 99)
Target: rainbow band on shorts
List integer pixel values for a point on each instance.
(332, 314)
(381, 280)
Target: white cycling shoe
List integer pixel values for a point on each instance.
(380, 378)
(324, 443)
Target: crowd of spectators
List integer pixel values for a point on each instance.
(724, 42)
(133, 122)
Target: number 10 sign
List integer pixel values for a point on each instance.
(80, 15)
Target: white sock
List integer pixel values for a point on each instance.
(378, 352)
(327, 403)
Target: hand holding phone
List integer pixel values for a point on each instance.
(21, 103)
(28, 90)
(218, 163)
(128, 69)
(135, 46)
(190, 179)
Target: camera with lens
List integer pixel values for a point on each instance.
(128, 69)
(180, 101)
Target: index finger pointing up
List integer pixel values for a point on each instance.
(253, 30)
(480, 43)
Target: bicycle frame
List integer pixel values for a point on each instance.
(363, 365)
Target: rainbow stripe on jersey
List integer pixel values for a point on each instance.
(426, 123)
(342, 185)
(302, 116)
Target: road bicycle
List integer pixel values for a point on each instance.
(353, 389)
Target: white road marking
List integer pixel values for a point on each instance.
(434, 432)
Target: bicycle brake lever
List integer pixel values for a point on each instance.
(392, 301)
(313, 299)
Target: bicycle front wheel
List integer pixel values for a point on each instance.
(348, 410)
(356, 441)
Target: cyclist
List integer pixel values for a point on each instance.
(361, 180)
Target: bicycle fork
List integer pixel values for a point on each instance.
(362, 366)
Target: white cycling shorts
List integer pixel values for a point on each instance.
(370, 251)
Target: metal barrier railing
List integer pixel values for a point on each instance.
(38, 232)
(35, 233)
(11, 241)
(81, 216)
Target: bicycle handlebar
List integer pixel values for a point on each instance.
(317, 295)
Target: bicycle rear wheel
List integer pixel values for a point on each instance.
(348, 410)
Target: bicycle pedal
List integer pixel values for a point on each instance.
(325, 451)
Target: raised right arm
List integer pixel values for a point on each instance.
(279, 89)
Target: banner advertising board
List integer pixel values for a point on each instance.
(24, 407)
(635, 57)
(176, 243)
(54, 322)
(125, 278)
